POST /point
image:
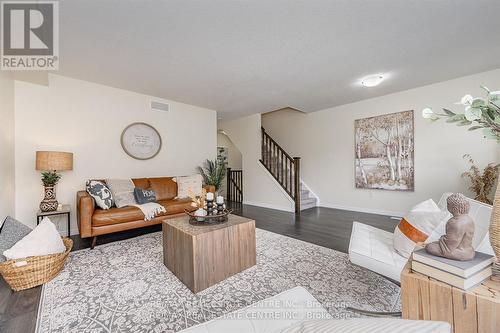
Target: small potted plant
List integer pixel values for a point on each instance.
(213, 173)
(49, 180)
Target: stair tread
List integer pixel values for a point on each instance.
(302, 207)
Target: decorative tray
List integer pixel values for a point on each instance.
(208, 219)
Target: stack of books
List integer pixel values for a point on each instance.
(460, 274)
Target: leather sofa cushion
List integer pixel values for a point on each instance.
(164, 187)
(116, 215)
(111, 216)
(141, 183)
(176, 206)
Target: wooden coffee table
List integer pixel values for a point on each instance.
(201, 256)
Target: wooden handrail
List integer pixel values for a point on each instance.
(276, 144)
(284, 168)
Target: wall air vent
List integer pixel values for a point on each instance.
(159, 106)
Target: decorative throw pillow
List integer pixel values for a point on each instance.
(441, 228)
(186, 183)
(143, 196)
(122, 191)
(43, 240)
(416, 226)
(101, 194)
(11, 231)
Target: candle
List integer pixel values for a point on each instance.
(210, 196)
(220, 199)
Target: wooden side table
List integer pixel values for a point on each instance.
(66, 210)
(474, 311)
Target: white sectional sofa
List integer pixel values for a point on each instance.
(296, 310)
(372, 248)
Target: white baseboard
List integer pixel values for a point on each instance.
(265, 205)
(364, 210)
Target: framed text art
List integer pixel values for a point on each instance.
(141, 141)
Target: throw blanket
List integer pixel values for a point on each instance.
(150, 210)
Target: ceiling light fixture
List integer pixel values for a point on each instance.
(372, 80)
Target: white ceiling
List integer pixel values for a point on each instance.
(241, 57)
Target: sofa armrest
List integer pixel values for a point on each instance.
(209, 188)
(85, 206)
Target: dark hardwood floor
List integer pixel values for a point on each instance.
(322, 226)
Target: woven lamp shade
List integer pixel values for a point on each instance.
(54, 160)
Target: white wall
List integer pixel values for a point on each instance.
(88, 119)
(233, 157)
(259, 187)
(233, 154)
(6, 145)
(325, 141)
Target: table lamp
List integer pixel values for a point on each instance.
(50, 162)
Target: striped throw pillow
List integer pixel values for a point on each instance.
(416, 226)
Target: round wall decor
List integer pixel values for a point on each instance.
(141, 141)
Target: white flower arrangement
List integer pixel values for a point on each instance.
(480, 113)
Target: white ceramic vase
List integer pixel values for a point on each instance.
(200, 212)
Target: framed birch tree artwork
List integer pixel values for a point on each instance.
(384, 154)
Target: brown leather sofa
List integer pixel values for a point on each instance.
(94, 221)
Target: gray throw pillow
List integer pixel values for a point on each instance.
(101, 194)
(143, 196)
(122, 190)
(11, 232)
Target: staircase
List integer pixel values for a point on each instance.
(286, 171)
(307, 199)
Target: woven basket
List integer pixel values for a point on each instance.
(37, 271)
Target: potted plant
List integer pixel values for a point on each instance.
(213, 173)
(480, 114)
(49, 180)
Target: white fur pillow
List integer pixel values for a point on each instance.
(43, 240)
(186, 183)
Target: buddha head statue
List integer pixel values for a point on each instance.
(458, 204)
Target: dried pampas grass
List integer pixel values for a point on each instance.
(481, 183)
(198, 202)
